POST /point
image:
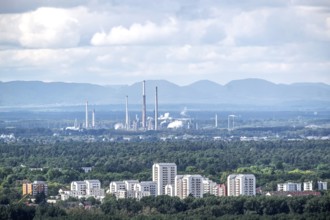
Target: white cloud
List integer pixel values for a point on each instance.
(135, 34)
(49, 27)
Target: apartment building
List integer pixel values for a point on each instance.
(133, 189)
(289, 187)
(241, 184)
(116, 186)
(186, 185)
(35, 188)
(84, 189)
(308, 186)
(322, 185)
(163, 174)
(208, 186)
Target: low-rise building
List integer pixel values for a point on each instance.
(308, 186)
(133, 189)
(35, 188)
(84, 189)
(289, 187)
(322, 185)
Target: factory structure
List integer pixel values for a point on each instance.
(155, 122)
(144, 122)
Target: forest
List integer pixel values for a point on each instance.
(271, 162)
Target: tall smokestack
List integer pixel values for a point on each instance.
(156, 109)
(144, 107)
(126, 116)
(93, 118)
(86, 123)
(216, 120)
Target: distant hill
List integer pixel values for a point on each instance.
(246, 92)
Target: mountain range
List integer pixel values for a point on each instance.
(246, 92)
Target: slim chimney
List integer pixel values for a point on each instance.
(216, 120)
(156, 109)
(126, 116)
(93, 118)
(144, 107)
(86, 123)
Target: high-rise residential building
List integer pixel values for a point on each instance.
(163, 174)
(322, 185)
(35, 188)
(289, 187)
(308, 186)
(241, 184)
(189, 185)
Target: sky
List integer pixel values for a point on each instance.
(110, 42)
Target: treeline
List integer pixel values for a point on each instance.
(165, 207)
(270, 161)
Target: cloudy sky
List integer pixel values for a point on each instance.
(126, 41)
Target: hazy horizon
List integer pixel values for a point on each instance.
(152, 80)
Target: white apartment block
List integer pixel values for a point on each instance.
(133, 189)
(146, 186)
(289, 187)
(129, 184)
(308, 186)
(79, 188)
(208, 186)
(241, 184)
(189, 185)
(169, 190)
(116, 186)
(322, 185)
(86, 189)
(93, 188)
(163, 174)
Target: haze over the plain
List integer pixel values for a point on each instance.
(122, 42)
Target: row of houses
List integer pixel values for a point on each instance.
(83, 189)
(297, 187)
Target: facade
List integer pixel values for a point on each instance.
(116, 186)
(221, 190)
(163, 174)
(322, 185)
(147, 186)
(129, 184)
(169, 190)
(133, 189)
(35, 188)
(208, 186)
(241, 184)
(289, 187)
(189, 185)
(308, 186)
(78, 188)
(84, 189)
